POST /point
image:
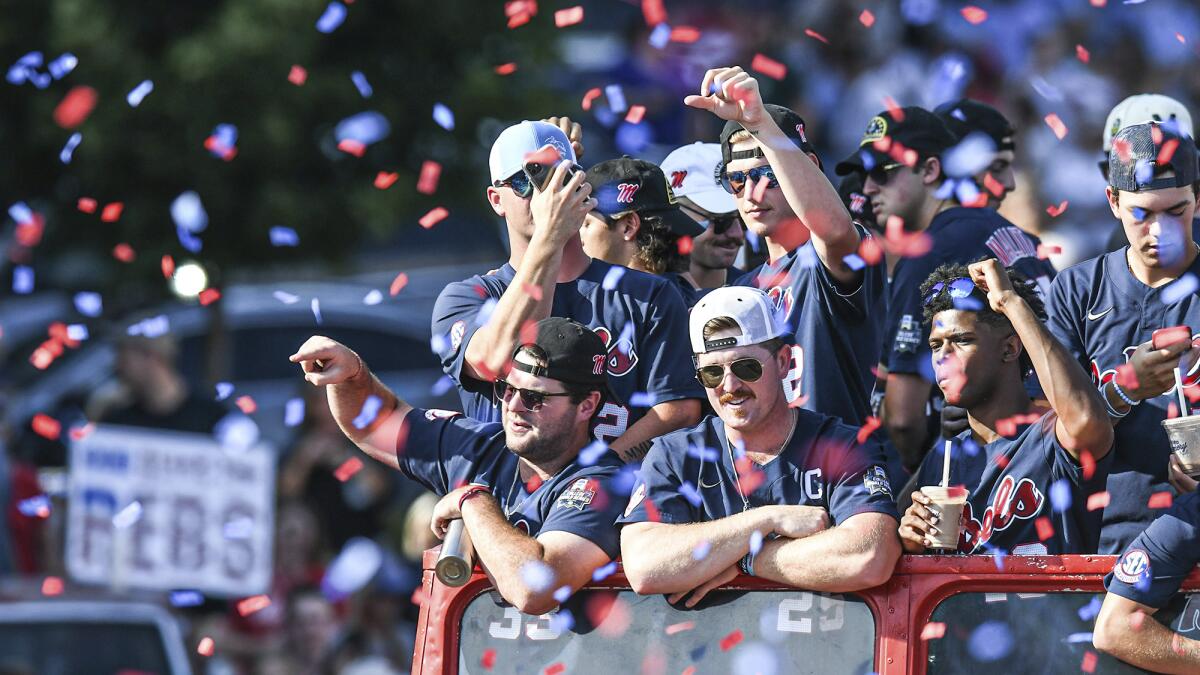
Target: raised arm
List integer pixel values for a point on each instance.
(1127, 630)
(661, 419)
(859, 553)
(1083, 423)
(348, 385)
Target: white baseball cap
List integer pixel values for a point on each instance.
(1142, 108)
(516, 142)
(692, 172)
(748, 307)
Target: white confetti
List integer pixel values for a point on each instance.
(293, 412)
(134, 98)
(374, 297)
(316, 310)
(128, 515)
(286, 298)
(537, 576)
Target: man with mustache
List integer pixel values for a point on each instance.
(761, 488)
(1105, 310)
(535, 494)
(987, 331)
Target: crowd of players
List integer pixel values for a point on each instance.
(628, 393)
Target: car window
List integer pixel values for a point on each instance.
(69, 648)
(607, 632)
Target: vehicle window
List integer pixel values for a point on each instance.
(609, 632)
(1031, 632)
(63, 648)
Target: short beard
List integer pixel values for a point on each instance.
(551, 443)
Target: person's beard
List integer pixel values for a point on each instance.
(546, 443)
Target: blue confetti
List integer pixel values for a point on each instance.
(223, 140)
(1143, 172)
(660, 36)
(369, 412)
(443, 116)
(186, 598)
(592, 453)
(604, 571)
(991, 641)
(561, 594)
(444, 384)
(332, 17)
(1179, 289)
(152, 327)
(854, 262)
(868, 160)
(970, 447)
(128, 515)
(365, 127)
(690, 493)
(20, 212)
(1077, 638)
(188, 212)
(360, 81)
(1060, 495)
(756, 540)
(293, 412)
(562, 621)
(89, 304)
(35, 507)
(702, 550)
(134, 98)
(240, 528)
(612, 277)
(68, 151)
(22, 279)
(1139, 214)
(315, 305)
(284, 236)
(62, 66)
(286, 298)
(24, 68)
(77, 332)
(753, 239)
(1090, 610)
(806, 256)
(616, 98)
(224, 390)
(642, 399)
(373, 297)
(188, 240)
(626, 477)
(438, 344)
(704, 454)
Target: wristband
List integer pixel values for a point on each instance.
(1121, 393)
(746, 564)
(471, 492)
(1112, 412)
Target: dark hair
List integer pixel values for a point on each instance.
(1025, 288)
(657, 244)
(720, 323)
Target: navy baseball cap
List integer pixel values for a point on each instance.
(915, 128)
(789, 122)
(627, 184)
(965, 116)
(1137, 160)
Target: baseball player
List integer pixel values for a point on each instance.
(784, 494)
(900, 157)
(987, 331)
(965, 118)
(830, 298)
(640, 317)
(529, 492)
(1145, 578)
(1105, 310)
(694, 173)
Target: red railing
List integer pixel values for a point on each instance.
(902, 607)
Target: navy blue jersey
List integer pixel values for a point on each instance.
(837, 330)
(444, 451)
(640, 316)
(1101, 313)
(1012, 485)
(690, 475)
(960, 235)
(1154, 566)
(691, 294)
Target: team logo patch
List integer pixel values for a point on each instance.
(579, 495)
(1133, 567)
(626, 191)
(434, 414)
(800, 130)
(621, 357)
(876, 481)
(781, 297)
(877, 128)
(908, 335)
(677, 179)
(638, 495)
(457, 332)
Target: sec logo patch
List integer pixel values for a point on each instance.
(1133, 567)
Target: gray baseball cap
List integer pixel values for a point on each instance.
(1142, 151)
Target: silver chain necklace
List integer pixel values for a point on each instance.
(737, 477)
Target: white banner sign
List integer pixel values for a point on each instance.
(165, 510)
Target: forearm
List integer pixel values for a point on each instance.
(1150, 645)
(661, 419)
(662, 557)
(904, 416)
(838, 560)
(378, 438)
(504, 551)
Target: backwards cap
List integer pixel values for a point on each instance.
(1143, 150)
(748, 307)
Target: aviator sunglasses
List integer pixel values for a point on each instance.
(746, 370)
(959, 288)
(735, 181)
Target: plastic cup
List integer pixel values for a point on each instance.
(1184, 435)
(948, 503)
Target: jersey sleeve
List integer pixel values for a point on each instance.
(440, 449)
(658, 495)
(1154, 566)
(861, 483)
(454, 323)
(665, 344)
(906, 337)
(589, 508)
(854, 302)
(1063, 315)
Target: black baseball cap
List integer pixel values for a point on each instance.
(627, 184)
(1141, 167)
(789, 122)
(888, 135)
(574, 354)
(965, 116)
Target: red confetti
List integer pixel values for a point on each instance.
(208, 296)
(489, 659)
(385, 179)
(75, 107)
(992, 185)
(870, 250)
(112, 212)
(46, 426)
(895, 111)
(52, 586)
(398, 283)
(213, 144)
(654, 12)
(1167, 151)
(1044, 529)
(205, 648)
(1056, 211)
(1097, 500)
(974, 15)
(168, 266)
(506, 68)
(1126, 377)
(684, 244)
(730, 641)
(1056, 125)
(1001, 461)
(1179, 36)
(348, 468)
(1172, 410)
(29, 233)
(1169, 336)
(1082, 54)
(760, 189)
(253, 604)
(609, 614)
(866, 18)
(533, 483)
(124, 253)
(86, 204)
(635, 114)
(1156, 134)
(685, 34)
(1099, 3)
(868, 428)
(430, 173)
(815, 35)
(434, 217)
(554, 668)
(246, 404)
(680, 627)
(1160, 500)
(1044, 251)
(1006, 427)
(80, 433)
(1088, 463)
(1122, 148)
(591, 95)
(298, 75)
(768, 66)
(519, 12)
(1088, 664)
(933, 630)
(569, 16)
(351, 146)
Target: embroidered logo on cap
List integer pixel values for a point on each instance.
(877, 128)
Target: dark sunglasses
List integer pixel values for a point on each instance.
(532, 399)
(746, 370)
(735, 181)
(959, 288)
(720, 224)
(882, 174)
(519, 182)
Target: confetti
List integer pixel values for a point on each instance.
(331, 18)
(35, 507)
(701, 550)
(612, 277)
(360, 83)
(224, 390)
(398, 284)
(974, 15)
(604, 571)
(730, 641)
(352, 147)
(1167, 151)
(1056, 125)
(68, 150)
(185, 598)
(1060, 495)
(815, 35)
(430, 173)
(315, 305)
(616, 98)
(635, 114)
(285, 297)
(297, 75)
(933, 630)
(89, 304)
(45, 426)
(1089, 662)
(1081, 53)
(756, 538)
(112, 212)
(592, 452)
(1088, 463)
(680, 627)
(1126, 376)
(205, 648)
(135, 97)
(684, 245)
(554, 669)
(443, 116)
(86, 205)
(128, 515)
(1097, 500)
(362, 129)
(369, 412)
(75, 107)
(1160, 500)
(222, 142)
(208, 296)
(537, 576)
(188, 212)
(1090, 610)
(869, 426)
(293, 412)
(283, 236)
(23, 279)
(253, 604)
(435, 216)
(685, 34)
(52, 586)
(505, 69)
(991, 641)
(568, 17)
(385, 179)
(62, 66)
(894, 109)
(488, 660)
(1044, 251)
(768, 66)
(591, 95)
(1044, 529)
(866, 18)
(660, 36)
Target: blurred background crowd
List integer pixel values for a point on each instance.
(170, 244)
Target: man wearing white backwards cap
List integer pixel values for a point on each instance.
(781, 493)
(543, 196)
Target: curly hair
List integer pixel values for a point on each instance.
(977, 302)
(657, 245)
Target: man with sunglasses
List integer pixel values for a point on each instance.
(1106, 311)
(640, 317)
(761, 488)
(829, 297)
(693, 171)
(535, 493)
(900, 157)
(1029, 473)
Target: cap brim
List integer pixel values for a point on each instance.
(679, 222)
(854, 163)
(716, 200)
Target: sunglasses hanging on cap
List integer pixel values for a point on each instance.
(746, 370)
(959, 288)
(735, 181)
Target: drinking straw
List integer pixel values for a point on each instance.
(1183, 406)
(946, 460)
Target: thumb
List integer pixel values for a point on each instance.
(702, 102)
